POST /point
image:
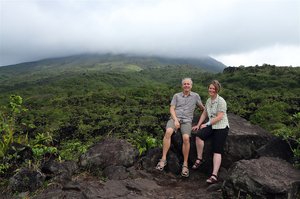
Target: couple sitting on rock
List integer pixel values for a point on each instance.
(182, 109)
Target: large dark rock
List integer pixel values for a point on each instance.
(26, 180)
(242, 142)
(264, 178)
(277, 148)
(55, 168)
(110, 152)
(60, 172)
(150, 160)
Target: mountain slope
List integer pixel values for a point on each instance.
(109, 62)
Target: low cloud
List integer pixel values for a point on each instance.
(234, 32)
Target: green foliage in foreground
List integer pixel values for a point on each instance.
(8, 123)
(73, 149)
(292, 136)
(10, 129)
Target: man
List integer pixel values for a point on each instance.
(182, 109)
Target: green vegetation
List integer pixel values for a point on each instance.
(8, 123)
(71, 108)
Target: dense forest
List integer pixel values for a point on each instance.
(63, 112)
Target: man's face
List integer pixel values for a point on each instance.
(187, 85)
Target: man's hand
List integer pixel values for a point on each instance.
(177, 124)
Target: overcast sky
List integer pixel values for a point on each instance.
(235, 32)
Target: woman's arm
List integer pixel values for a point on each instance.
(201, 120)
(217, 119)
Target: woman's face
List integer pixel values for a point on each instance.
(212, 90)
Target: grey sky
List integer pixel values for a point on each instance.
(235, 32)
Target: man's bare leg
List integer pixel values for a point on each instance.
(185, 148)
(166, 145)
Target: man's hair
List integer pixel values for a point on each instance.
(187, 78)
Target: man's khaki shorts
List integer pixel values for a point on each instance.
(185, 128)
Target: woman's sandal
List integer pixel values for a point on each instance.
(185, 171)
(161, 165)
(197, 163)
(213, 179)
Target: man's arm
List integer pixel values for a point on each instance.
(201, 107)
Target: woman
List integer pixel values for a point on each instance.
(217, 127)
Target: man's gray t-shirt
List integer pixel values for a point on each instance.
(185, 105)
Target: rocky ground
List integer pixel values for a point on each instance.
(141, 184)
(156, 185)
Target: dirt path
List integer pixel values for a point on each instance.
(193, 187)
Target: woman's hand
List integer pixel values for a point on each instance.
(195, 128)
(203, 126)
